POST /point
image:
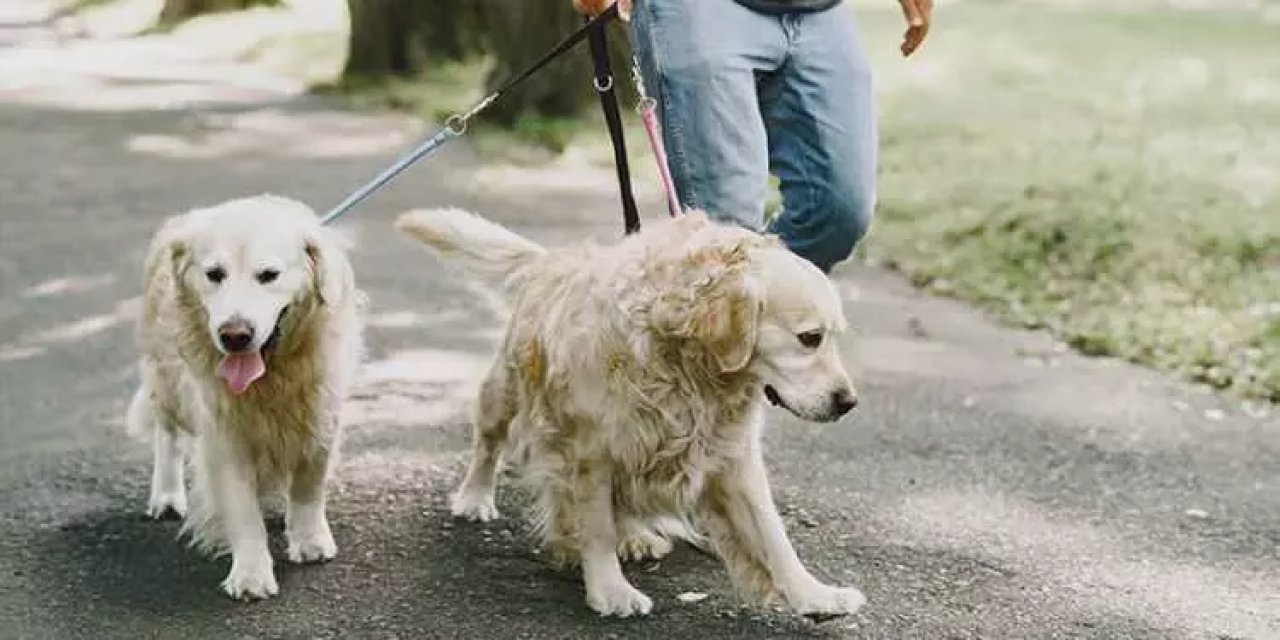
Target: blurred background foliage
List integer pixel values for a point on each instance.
(1105, 171)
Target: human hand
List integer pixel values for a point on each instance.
(919, 14)
(596, 7)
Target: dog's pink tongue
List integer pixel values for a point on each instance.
(240, 370)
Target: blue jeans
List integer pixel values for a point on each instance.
(743, 94)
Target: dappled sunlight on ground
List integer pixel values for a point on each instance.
(402, 399)
(71, 332)
(273, 132)
(239, 58)
(145, 73)
(10, 352)
(410, 389)
(1068, 555)
(68, 284)
(424, 366)
(377, 470)
(413, 320)
(578, 170)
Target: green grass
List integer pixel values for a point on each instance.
(1110, 175)
(1113, 177)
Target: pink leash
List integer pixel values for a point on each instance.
(647, 108)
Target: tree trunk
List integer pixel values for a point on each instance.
(521, 31)
(176, 11)
(400, 37)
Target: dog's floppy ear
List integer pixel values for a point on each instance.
(169, 254)
(728, 324)
(712, 300)
(330, 269)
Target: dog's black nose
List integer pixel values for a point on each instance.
(844, 401)
(236, 335)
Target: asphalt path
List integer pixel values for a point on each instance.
(991, 485)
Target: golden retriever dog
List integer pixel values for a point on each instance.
(629, 393)
(250, 337)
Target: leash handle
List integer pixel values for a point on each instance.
(603, 81)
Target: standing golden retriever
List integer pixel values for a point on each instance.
(629, 391)
(250, 338)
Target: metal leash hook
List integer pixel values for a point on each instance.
(646, 102)
(456, 124)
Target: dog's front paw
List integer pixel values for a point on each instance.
(474, 505)
(250, 581)
(821, 602)
(311, 546)
(167, 504)
(618, 599)
(643, 545)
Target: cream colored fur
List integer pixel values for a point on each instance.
(281, 434)
(628, 392)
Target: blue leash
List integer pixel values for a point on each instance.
(456, 125)
(424, 149)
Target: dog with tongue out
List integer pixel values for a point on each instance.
(243, 364)
(251, 334)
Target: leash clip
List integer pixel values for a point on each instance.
(646, 102)
(456, 124)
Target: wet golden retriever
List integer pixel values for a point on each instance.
(250, 338)
(629, 392)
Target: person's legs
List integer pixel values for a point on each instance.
(819, 113)
(700, 59)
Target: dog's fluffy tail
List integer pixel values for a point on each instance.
(458, 233)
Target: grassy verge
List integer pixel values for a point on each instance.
(1111, 176)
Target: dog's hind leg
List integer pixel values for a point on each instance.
(474, 499)
(640, 540)
(589, 503)
(168, 487)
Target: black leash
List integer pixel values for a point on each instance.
(599, 42)
(597, 23)
(456, 124)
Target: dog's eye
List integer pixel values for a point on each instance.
(215, 274)
(267, 276)
(810, 339)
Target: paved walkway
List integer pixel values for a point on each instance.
(990, 485)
